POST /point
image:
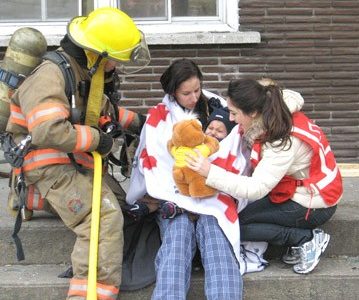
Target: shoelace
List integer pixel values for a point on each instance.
(302, 254)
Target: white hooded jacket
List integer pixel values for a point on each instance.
(275, 163)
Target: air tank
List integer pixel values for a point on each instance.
(24, 52)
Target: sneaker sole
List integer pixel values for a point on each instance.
(307, 271)
(291, 262)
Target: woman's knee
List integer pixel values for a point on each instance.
(182, 223)
(179, 230)
(207, 220)
(254, 210)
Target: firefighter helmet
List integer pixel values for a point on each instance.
(109, 32)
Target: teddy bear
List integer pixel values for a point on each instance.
(187, 135)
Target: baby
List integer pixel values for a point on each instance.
(219, 125)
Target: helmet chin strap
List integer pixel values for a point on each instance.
(95, 66)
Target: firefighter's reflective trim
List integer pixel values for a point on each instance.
(45, 112)
(16, 116)
(84, 159)
(126, 117)
(44, 157)
(78, 287)
(83, 138)
(34, 201)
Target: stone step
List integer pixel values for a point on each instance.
(46, 240)
(334, 278)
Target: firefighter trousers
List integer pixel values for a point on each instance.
(71, 197)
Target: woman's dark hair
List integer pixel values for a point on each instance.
(250, 96)
(178, 72)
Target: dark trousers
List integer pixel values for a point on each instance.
(281, 224)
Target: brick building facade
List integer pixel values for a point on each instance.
(308, 46)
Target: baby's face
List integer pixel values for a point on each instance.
(216, 129)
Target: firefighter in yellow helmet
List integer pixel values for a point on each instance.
(64, 131)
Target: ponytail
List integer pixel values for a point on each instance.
(277, 119)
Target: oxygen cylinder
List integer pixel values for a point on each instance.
(24, 52)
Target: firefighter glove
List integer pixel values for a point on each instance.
(105, 144)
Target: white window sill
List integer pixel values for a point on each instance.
(203, 38)
(188, 38)
(156, 34)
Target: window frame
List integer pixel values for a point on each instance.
(52, 30)
(228, 21)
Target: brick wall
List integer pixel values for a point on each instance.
(312, 47)
(309, 46)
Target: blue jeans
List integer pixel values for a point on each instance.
(180, 236)
(281, 224)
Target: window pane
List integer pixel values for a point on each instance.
(30, 10)
(61, 9)
(145, 9)
(87, 7)
(188, 8)
(20, 10)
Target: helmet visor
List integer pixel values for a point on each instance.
(139, 58)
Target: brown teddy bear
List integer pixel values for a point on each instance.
(187, 136)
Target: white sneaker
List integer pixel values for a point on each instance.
(321, 238)
(311, 251)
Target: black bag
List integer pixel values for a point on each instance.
(142, 241)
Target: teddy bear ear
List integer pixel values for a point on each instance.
(196, 123)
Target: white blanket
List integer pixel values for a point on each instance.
(152, 174)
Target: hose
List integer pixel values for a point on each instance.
(95, 226)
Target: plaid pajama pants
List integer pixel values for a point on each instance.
(180, 236)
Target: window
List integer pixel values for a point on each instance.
(163, 10)
(165, 16)
(33, 11)
(48, 16)
(152, 16)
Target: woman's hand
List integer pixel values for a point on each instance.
(198, 163)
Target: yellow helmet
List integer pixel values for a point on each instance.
(109, 32)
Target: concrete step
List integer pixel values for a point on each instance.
(334, 278)
(46, 240)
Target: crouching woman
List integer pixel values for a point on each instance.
(295, 185)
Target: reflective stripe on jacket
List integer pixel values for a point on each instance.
(52, 111)
(44, 157)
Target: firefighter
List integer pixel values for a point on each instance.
(94, 46)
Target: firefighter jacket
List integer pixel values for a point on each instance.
(41, 108)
